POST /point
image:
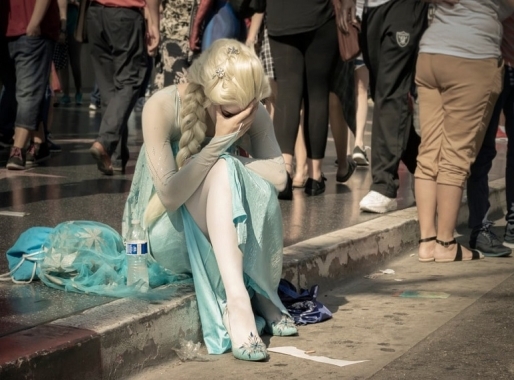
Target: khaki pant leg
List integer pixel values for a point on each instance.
(431, 117)
(469, 89)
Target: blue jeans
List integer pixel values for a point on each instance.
(25, 73)
(478, 181)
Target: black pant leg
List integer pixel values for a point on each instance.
(288, 59)
(124, 30)
(320, 58)
(394, 30)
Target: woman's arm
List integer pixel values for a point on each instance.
(253, 31)
(173, 186)
(266, 160)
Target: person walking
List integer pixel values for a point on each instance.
(389, 43)
(303, 41)
(30, 29)
(117, 32)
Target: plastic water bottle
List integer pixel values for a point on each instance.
(137, 250)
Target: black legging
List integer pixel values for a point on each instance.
(303, 66)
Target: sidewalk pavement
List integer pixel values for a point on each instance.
(50, 334)
(464, 336)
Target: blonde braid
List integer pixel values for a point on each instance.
(193, 133)
(193, 123)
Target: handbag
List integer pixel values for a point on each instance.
(80, 33)
(348, 41)
(303, 306)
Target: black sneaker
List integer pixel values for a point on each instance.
(37, 153)
(16, 159)
(486, 242)
(508, 238)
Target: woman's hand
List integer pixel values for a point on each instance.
(240, 123)
(346, 10)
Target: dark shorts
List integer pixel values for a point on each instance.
(26, 63)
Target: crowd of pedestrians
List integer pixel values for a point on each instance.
(452, 57)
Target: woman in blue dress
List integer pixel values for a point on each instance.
(206, 185)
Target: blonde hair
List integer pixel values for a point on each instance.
(227, 73)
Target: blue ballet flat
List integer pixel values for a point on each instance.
(284, 327)
(253, 349)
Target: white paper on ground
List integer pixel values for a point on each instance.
(293, 351)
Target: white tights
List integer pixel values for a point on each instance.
(211, 208)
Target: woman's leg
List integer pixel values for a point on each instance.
(320, 58)
(300, 155)
(211, 208)
(471, 88)
(361, 89)
(339, 132)
(272, 99)
(288, 59)
(431, 117)
(64, 78)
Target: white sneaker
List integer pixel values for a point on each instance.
(377, 203)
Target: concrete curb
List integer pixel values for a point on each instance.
(325, 259)
(113, 340)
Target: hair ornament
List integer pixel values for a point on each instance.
(232, 50)
(220, 73)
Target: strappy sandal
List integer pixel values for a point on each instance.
(458, 256)
(426, 240)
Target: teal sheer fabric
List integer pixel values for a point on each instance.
(89, 257)
(177, 243)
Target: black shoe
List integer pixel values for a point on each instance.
(37, 153)
(485, 241)
(351, 169)
(287, 193)
(16, 159)
(313, 187)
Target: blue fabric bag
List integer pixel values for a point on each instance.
(303, 305)
(23, 256)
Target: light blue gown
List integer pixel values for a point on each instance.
(177, 243)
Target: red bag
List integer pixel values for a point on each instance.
(348, 41)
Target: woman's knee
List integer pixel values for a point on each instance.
(453, 175)
(218, 175)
